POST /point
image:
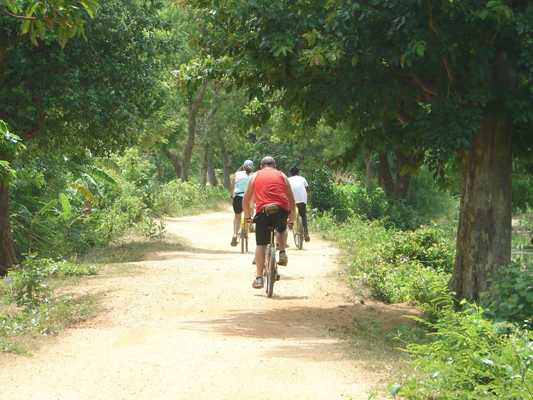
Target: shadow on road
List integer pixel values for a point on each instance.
(150, 250)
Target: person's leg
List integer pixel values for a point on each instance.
(237, 209)
(237, 224)
(302, 210)
(260, 252)
(281, 235)
(281, 239)
(262, 238)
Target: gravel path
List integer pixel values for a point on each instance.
(189, 326)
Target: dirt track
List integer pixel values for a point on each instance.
(189, 326)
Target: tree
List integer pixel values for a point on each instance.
(456, 76)
(99, 89)
(39, 20)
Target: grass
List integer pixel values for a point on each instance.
(22, 328)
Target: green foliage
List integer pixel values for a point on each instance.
(323, 196)
(10, 145)
(27, 284)
(471, 357)
(522, 193)
(177, 198)
(62, 19)
(370, 203)
(349, 196)
(396, 266)
(510, 297)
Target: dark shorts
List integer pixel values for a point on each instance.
(263, 222)
(237, 204)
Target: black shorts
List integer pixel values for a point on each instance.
(237, 204)
(263, 222)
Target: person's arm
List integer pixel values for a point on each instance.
(247, 202)
(292, 203)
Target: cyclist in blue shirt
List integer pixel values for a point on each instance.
(238, 185)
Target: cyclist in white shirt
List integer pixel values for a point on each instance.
(238, 185)
(300, 188)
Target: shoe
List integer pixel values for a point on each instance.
(258, 283)
(253, 262)
(307, 238)
(283, 259)
(234, 241)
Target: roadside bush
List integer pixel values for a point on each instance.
(471, 357)
(510, 298)
(357, 198)
(177, 197)
(396, 266)
(26, 285)
(323, 196)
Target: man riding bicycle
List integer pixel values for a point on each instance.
(238, 186)
(300, 187)
(269, 188)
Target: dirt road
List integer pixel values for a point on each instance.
(189, 326)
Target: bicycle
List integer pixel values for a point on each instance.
(298, 232)
(270, 273)
(244, 235)
(271, 266)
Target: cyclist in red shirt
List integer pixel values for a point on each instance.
(266, 187)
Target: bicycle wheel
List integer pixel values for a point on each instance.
(300, 244)
(271, 272)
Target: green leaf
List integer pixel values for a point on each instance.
(65, 206)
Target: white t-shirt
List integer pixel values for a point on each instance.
(298, 186)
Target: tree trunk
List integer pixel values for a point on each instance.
(7, 248)
(192, 113)
(226, 166)
(484, 232)
(174, 159)
(211, 175)
(370, 168)
(406, 163)
(226, 161)
(385, 176)
(205, 161)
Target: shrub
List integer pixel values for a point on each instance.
(177, 197)
(323, 196)
(357, 198)
(396, 266)
(510, 297)
(471, 357)
(26, 285)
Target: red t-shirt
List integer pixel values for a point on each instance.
(269, 188)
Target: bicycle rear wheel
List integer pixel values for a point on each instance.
(298, 234)
(270, 270)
